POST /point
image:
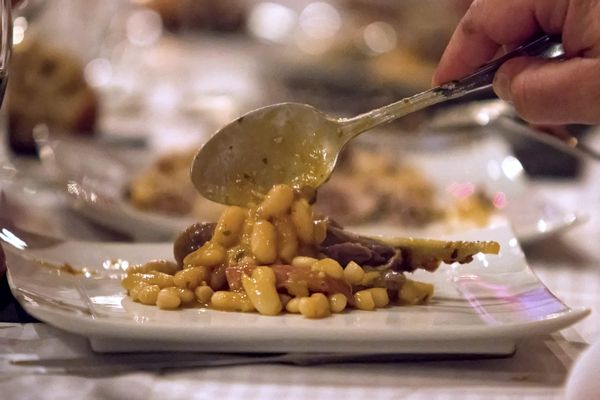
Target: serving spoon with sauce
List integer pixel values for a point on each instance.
(298, 145)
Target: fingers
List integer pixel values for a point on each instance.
(488, 24)
(551, 92)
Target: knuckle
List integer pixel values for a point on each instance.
(469, 24)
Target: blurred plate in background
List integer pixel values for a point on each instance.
(453, 169)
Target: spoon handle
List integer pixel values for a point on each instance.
(547, 47)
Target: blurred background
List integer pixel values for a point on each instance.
(110, 99)
(167, 73)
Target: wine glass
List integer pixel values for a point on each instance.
(5, 50)
(5, 43)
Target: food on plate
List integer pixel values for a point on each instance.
(47, 86)
(164, 187)
(475, 207)
(401, 195)
(279, 255)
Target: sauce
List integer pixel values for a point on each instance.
(246, 159)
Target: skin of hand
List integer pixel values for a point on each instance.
(542, 91)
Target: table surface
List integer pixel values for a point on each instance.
(567, 264)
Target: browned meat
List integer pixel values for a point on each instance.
(345, 246)
(400, 254)
(192, 239)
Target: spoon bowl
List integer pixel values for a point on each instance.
(289, 143)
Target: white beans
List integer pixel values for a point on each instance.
(293, 306)
(315, 306)
(168, 299)
(363, 300)
(330, 267)
(186, 296)
(380, 297)
(203, 294)
(287, 239)
(209, 255)
(267, 259)
(277, 202)
(302, 219)
(337, 302)
(303, 262)
(262, 292)
(148, 294)
(190, 278)
(263, 244)
(354, 273)
(231, 301)
(229, 228)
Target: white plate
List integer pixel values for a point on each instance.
(96, 183)
(477, 160)
(484, 307)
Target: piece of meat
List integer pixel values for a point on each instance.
(398, 254)
(234, 275)
(192, 239)
(428, 254)
(344, 246)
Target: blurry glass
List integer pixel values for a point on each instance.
(154, 73)
(5, 44)
(5, 51)
(53, 41)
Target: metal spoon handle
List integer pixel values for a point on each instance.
(547, 47)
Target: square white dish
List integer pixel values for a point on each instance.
(484, 307)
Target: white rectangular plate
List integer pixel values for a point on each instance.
(481, 308)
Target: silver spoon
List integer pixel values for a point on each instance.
(299, 145)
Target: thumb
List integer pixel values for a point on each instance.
(551, 92)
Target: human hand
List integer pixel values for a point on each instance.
(542, 91)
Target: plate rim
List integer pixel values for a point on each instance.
(518, 330)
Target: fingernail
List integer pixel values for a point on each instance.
(502, 86)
